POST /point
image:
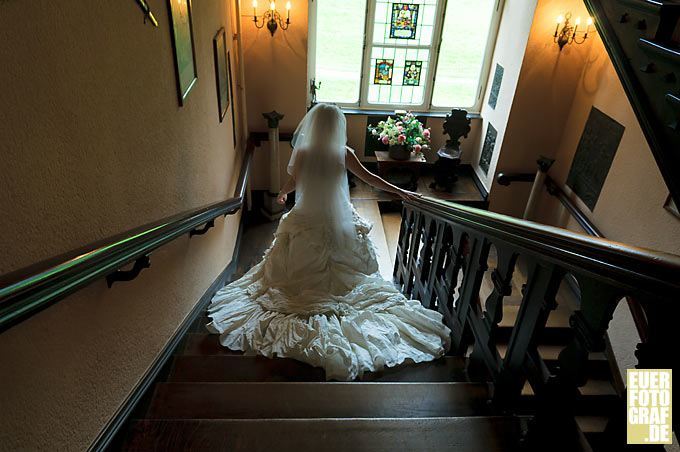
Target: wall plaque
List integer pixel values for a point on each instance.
(487, 149)
(496, 86)
(594, 156)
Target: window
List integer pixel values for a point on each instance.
(410, 54)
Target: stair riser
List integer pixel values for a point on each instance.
(317, 400)
(375, 435)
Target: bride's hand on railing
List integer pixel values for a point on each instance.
(409, 195)
(281, 198)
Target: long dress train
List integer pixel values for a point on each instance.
(325, 305)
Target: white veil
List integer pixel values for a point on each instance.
(318, 164)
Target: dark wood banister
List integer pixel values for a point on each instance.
(555, 190)
(443, 254)
(29, 290)
(631, 266)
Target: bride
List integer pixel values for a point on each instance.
(317, 295)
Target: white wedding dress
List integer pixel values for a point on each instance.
(317, 296)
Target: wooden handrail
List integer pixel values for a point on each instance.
(555, 190)
(444, 251)
(29, 290)
(626, 265)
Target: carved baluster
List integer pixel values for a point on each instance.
(427, 264)
(412, 256)
(537, 303)
(502, 287)
(448, 265)
(477, 251)
(401, 259)
(554, 418)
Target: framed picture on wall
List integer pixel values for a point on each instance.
(183, 46)
(231, 93)
(221, 72)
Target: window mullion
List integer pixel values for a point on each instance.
(434, 60)
(368, 49)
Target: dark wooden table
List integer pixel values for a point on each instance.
(402, 173)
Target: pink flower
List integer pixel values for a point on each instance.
(401, 138)
(426, 133)
(400, 128)
(385, 139)
(417, 148)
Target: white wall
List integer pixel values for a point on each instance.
(545, 89)
(511, 43)
(630, 206)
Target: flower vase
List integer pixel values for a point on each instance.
(399, 152)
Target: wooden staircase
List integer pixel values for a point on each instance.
(216, 399)
(642, 38)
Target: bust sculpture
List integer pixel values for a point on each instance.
(456, 126)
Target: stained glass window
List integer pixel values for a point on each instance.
(404, 21)
(388, 61)
(383, 72)
(412, 71)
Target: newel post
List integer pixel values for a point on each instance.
(544, 164)
(271, 209)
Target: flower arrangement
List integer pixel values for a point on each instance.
(405, 130)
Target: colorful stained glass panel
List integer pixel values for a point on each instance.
(404, 21)
(383, 72)
(412, 70)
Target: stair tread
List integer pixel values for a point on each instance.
(216, 368)
(206, 344)
(317, 400)
(593, 387)
(471, 434)
(559, 318)
(368, 209)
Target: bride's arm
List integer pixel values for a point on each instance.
(354, 165)
(289, 186)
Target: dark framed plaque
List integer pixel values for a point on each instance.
(496, 86)
(594, 156)
(488, 148)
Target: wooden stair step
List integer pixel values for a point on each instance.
(206, 344)
(598, 398)
(559, 318)
(598, 365)
(556, 332)
(317, 400)
(369, 210)
(198, 325)
(473, 434)
(593, 387)
(216, 368)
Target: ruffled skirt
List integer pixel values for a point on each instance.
(312, 300)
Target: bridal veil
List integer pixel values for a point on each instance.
(318, 165)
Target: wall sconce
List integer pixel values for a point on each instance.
(569, 34)
(272, 17)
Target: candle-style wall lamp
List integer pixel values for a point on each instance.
(569, 33)
(272, 17)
